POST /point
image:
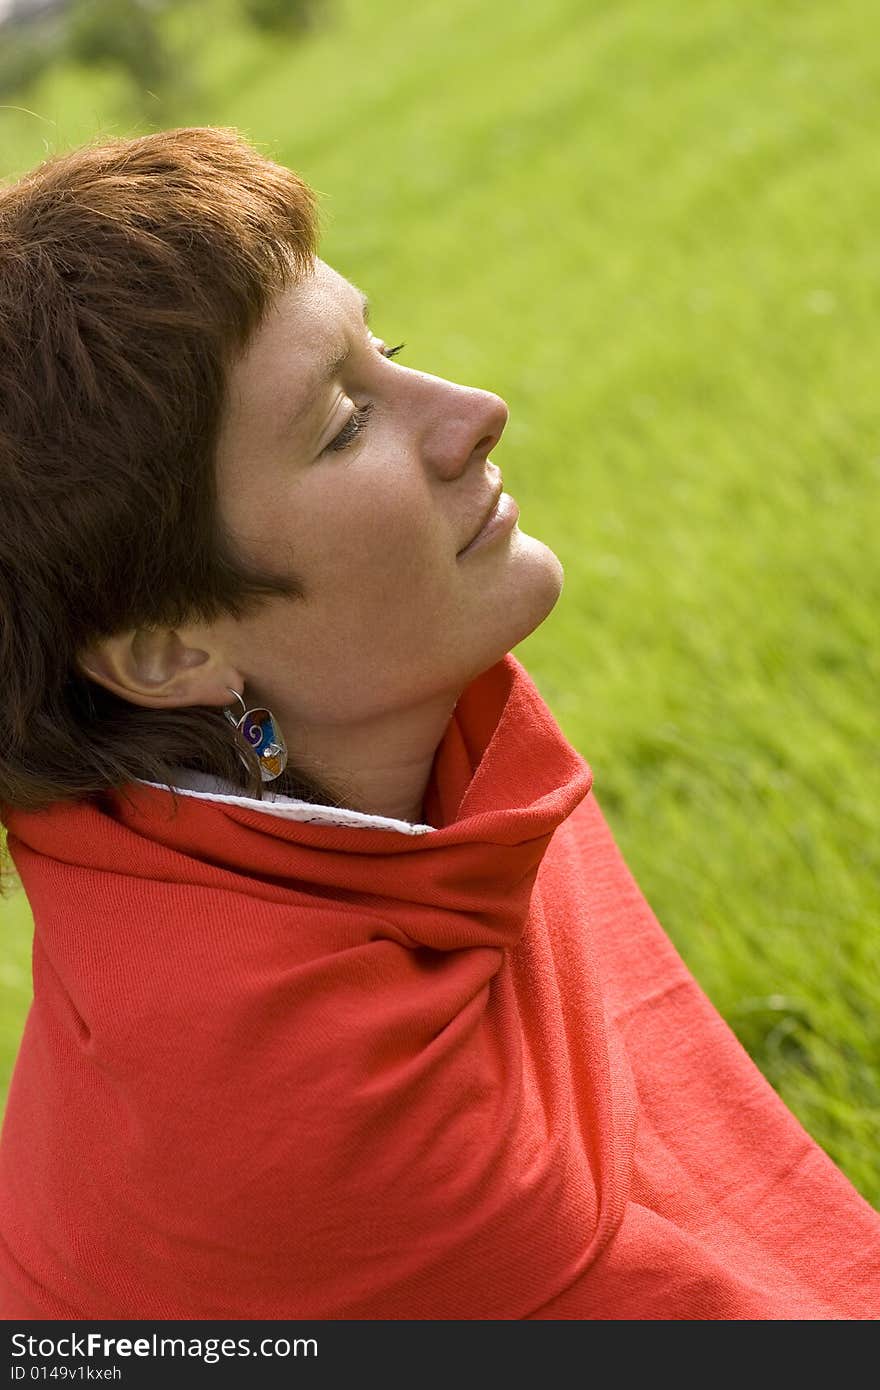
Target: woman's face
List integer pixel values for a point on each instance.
(366, 479)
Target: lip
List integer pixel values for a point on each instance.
(501, 519)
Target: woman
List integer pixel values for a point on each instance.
(345, 1002)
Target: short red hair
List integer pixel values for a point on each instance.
(132, 273)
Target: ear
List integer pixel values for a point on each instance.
(156, 668)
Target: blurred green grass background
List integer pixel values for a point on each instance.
(651, 228)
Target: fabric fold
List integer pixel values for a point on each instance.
(282, 1067)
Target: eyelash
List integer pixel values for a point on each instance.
(356, 422)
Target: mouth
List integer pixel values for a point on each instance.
(500, 522)
(486, 517)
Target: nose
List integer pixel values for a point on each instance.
(493, 419)
(462, 428)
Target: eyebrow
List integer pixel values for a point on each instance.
(325, 374)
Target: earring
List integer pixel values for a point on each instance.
(258, 730)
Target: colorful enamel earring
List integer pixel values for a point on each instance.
(257, 729)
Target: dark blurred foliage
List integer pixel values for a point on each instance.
(26, 51)
(118, 33)
(281, 16)
(127, 35)
(121, 33)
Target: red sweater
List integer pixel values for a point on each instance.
(290, 1068)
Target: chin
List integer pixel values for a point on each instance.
(538, 569)
(536, 580)
(518, 592)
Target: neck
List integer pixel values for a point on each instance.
(381, 766)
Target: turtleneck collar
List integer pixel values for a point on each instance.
(477, 723)
(503, 779)
(199, 784)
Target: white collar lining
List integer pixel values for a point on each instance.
(198, 784)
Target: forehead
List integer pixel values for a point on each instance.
(304, 322)
(311, 311)
(320, 292)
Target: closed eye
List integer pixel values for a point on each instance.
(351, 429)
(356, 423)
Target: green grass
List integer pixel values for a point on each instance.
(651, 228)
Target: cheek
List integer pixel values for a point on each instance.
(384, 536)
